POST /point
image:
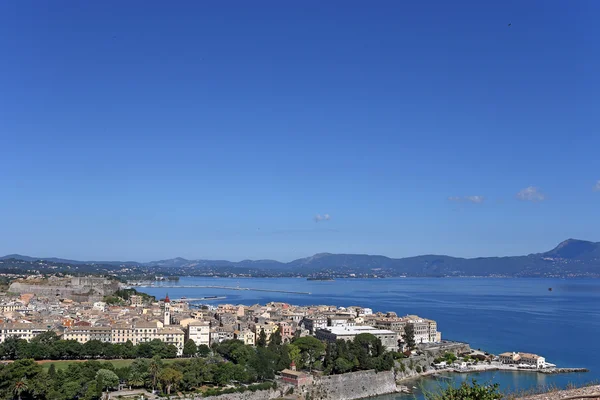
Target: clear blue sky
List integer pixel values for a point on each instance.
(146, 130)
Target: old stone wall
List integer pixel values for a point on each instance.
(353, 385)
(438, 350)
(86, 290)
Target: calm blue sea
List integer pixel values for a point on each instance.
(495, 315)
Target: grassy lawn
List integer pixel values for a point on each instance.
(63, 364)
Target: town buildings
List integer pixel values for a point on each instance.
(174, 322)
(529, 359)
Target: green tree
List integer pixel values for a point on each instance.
(52, 371)
(284, 359)
(262, 339)
(135, 379)
(20, 387)
(47, 338)
(203, 350)
(263, 363)
(294, 353)
(275, 339)
(170, 378)
(450, 357)
(311, 349)
(154, 370)
(190, 349)
(467, 391)
(106, 379)
(342, 365)
(409, 336)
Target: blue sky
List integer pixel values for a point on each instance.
(144, 130)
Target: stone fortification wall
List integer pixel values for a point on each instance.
(407, 368)
(78, 289)
(438, 350)
(353, 385)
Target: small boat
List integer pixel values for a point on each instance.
(549, 289)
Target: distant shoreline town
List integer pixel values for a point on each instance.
(95, 317)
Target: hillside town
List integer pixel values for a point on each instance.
(75, 316)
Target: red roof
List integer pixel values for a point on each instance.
(167, 300)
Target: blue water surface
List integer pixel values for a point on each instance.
(495, 315)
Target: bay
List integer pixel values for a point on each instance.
(494, 315)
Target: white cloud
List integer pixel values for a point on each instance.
(470, 199)
(324, 217)
(475, 199)
(531, 193)
(597, 186)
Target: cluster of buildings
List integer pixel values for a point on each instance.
(174, 322)
(524, 360)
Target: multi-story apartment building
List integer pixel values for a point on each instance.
(84, 334)
(314, 323)
(199, 332)
(389, 339)
(101, 333)
(172, 335)
(136, 300)
(21, 330)
(123, 333)
(247, 336)
(287, 331)
(425, 329)
(268, 328)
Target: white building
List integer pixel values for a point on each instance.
(389, 339)
(532, 360)
(22, 331)
(199, 332)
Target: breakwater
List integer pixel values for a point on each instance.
(224, 288)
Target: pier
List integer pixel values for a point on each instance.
(227, 288)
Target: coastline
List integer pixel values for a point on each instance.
(485, 368)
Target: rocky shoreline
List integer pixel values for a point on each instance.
(590, 392)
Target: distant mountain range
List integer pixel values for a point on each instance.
(570, 258)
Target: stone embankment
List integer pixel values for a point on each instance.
(590, 392)
(353, 385)
(562, 370)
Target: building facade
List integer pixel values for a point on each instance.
(199, 332)
(389, 339)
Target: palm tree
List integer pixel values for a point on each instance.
(20, 388)
(136, 379)
(154, 370)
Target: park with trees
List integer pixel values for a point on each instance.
(225, 367)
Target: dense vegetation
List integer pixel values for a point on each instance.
(365, 352)
(48, 346)
(122, 296)
(207, 370)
